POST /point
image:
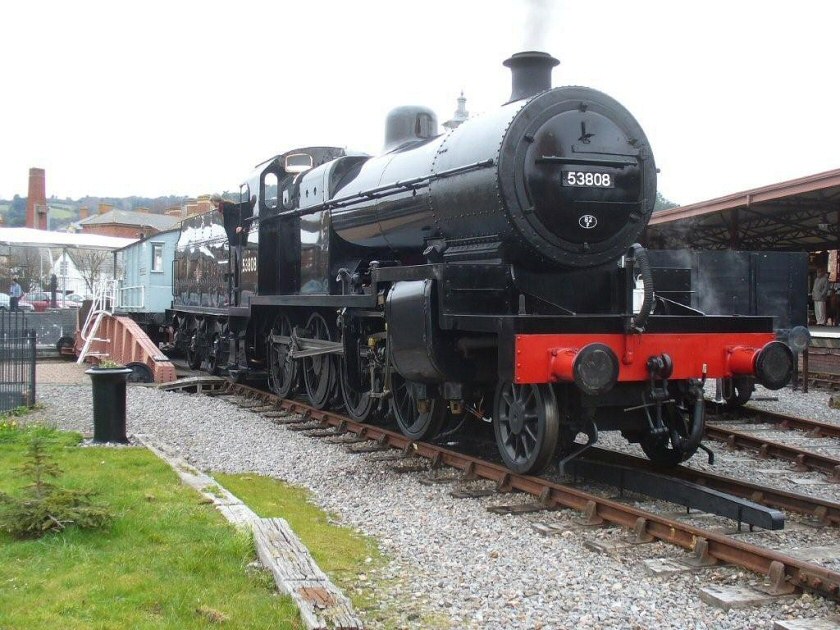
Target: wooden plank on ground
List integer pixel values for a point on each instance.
(320, 602)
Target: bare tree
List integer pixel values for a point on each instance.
(94, 265)
(26, 264)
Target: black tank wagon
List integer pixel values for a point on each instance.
(488, 273)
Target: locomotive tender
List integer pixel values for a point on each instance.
(483, 275)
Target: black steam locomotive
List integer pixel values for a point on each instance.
(488, 274)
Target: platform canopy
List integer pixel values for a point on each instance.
(28, 237)
(798, 215)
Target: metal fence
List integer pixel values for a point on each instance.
(17, 361)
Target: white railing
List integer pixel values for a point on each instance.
(103, 304)
(132, 297)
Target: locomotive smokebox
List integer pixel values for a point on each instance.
(531, 73)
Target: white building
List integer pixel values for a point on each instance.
(81, 270)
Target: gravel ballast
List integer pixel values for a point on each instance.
(452, 563)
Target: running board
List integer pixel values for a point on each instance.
(690, 495)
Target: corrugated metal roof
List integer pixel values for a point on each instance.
(28, 237)
(797, 215)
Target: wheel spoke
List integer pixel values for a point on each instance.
(529, 396)
(507, 398)
(530, 432)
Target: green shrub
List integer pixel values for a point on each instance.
(43, 506)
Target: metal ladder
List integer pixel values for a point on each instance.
(104, 300)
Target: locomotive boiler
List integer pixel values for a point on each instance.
(484, 275)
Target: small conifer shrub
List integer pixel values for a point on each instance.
(42, 506)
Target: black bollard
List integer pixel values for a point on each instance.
(109, 403)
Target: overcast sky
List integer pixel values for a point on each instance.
(179, 97)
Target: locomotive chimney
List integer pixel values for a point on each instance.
(531, 72)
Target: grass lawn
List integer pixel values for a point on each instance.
(340, 552)
(168, 561)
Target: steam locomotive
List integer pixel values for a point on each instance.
(491, 274)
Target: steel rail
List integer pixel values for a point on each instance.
(784, 571)
(805, 460)
(823, 380)
(826, 512)
(815, 428)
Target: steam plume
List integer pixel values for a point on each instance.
(537, 24)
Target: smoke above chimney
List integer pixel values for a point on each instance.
(531, 73)
(537, 23)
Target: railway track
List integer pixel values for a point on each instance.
(821, 510)
(803, 458)
(786, 573)
(822, 380)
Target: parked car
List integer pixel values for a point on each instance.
(39, 299)
(22, 304)
(74, 300)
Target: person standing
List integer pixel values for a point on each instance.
(14, 294)
(819, 292)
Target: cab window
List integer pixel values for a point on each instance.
(298, 162)
(269, 192)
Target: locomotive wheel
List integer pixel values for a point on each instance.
(413, 423)
(215, 356)
(140, 373)
(741, 389)
(320, 372)
(526, 420)
(660, 451)
(194, 357)
(282, 370)
(358, 404)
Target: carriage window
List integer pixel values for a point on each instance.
(157, 256)
(298, 162)
(244, 193)
(270, 190)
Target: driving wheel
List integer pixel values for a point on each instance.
(282, 370)
(416, 422)
(358, 403)
(320, 372)
(194, 357)
(216, 355)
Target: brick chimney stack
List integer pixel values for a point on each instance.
(36, 202)
(84, 213)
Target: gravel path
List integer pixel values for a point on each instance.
(452, 564)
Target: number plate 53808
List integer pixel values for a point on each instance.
(588, 179)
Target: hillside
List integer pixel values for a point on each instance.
(65, 211)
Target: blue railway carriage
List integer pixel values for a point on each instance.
(144, 272)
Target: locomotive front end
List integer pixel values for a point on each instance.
(574, 182)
